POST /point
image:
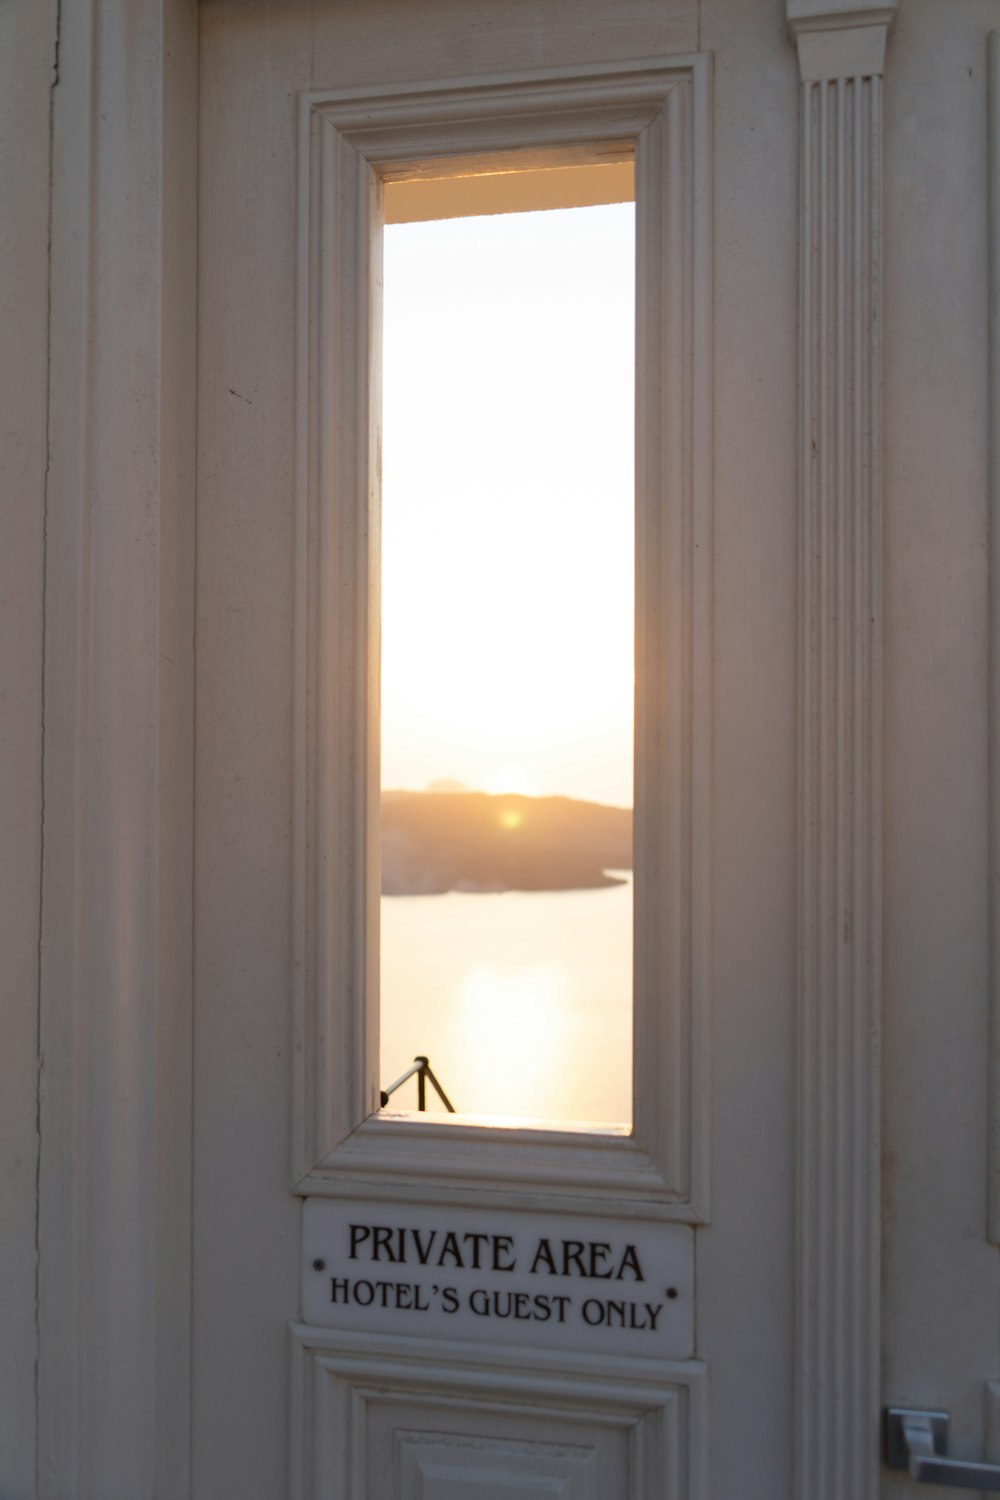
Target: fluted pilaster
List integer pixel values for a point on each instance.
(841, 56)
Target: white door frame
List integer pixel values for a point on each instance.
(114, 1222)
(115, 1183)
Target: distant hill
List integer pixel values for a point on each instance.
(439, 841)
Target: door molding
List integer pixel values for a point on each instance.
(337, 1379)
(114, 1025)
(350, 143)
(841, 58)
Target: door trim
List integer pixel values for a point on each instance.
(115, 1035)
(350, 141)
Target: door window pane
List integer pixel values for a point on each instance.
(507, 661)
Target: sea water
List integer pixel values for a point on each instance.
(522, 1001)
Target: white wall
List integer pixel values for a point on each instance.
(939, 1271)
(27, 56)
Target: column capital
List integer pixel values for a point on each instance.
(840, 38)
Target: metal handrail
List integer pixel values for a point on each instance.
(421, 1066)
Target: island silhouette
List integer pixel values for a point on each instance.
(445, 840)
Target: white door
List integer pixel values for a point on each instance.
(735, 1215)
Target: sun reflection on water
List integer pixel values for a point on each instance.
(512, 1027)
(510, 1023)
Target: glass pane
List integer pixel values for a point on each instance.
(507, 662)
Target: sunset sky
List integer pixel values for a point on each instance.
(508, 503)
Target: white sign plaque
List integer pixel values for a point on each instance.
(499, 1276)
